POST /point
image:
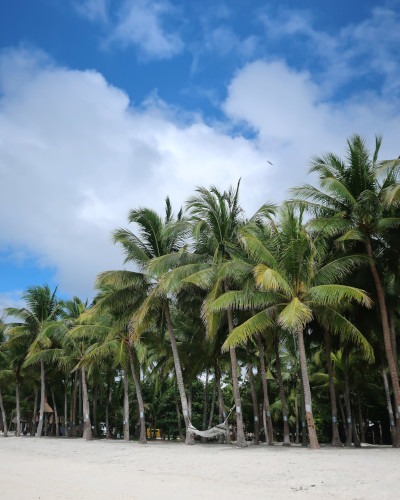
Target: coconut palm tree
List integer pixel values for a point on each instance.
(38, 318)
(354, 204)
(215, 216)
(298, 288)
(157, 238)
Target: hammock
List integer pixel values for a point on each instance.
(214, 431)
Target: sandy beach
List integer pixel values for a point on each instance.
(50, 468)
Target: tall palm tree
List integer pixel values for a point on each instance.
(157, 238)
(354, 204)
(298, 288)
(216, 218)
(37, 321)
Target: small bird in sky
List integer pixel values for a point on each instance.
(270, 162)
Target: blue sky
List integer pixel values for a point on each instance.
(106, 105)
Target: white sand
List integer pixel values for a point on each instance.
(50, 468)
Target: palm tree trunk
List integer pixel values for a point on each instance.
(256, 438)
(304, 437)
(286, 434)
(335, 431)
(74, 403)
(388, 403)
(95, 399)
(343, 416)
(55, 414)
(222, 403)
(66, 433)
(269, 435)
(349, 431)
(392, 322)
(240, 437)
(107, 411)
(307, 391)
(212, 409)
(3, 415)
(126, 406)
(42, 399)
(205, 406)
(87, 426)
(35, 404)
(392, 362)
(17, 401)
(178, 372)
(190, 399)
(138, 389)
(360, 419)
(178, 415)
(296, 411)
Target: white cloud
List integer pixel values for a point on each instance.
(356, 51)
(141, 23)
(293, 122)
(94, 10)
(75, 155)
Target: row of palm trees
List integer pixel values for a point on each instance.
(208, 296)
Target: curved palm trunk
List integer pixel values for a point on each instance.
(392, 363)
(87, 426)
(138, 389)
(178, 413)
(307, 392)
(126, 406)
(3, 415)
(269, 435)
(256, 439)
(178, 373)
(286, 434)
(335, 431)
(42, 400)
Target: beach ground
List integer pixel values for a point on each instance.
(48, 468)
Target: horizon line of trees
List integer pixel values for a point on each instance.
(290, 317)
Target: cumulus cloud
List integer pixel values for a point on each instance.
(292, 120)
(75, 156)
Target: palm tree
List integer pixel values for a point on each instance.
(355, 202)
(37, 320)
(157, 238)
(216, 218)
(298, 288)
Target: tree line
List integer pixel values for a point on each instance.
(289, 318)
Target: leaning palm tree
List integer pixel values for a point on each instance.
(297, 288)
(157, 238)
(37, 322)
(354, 203)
